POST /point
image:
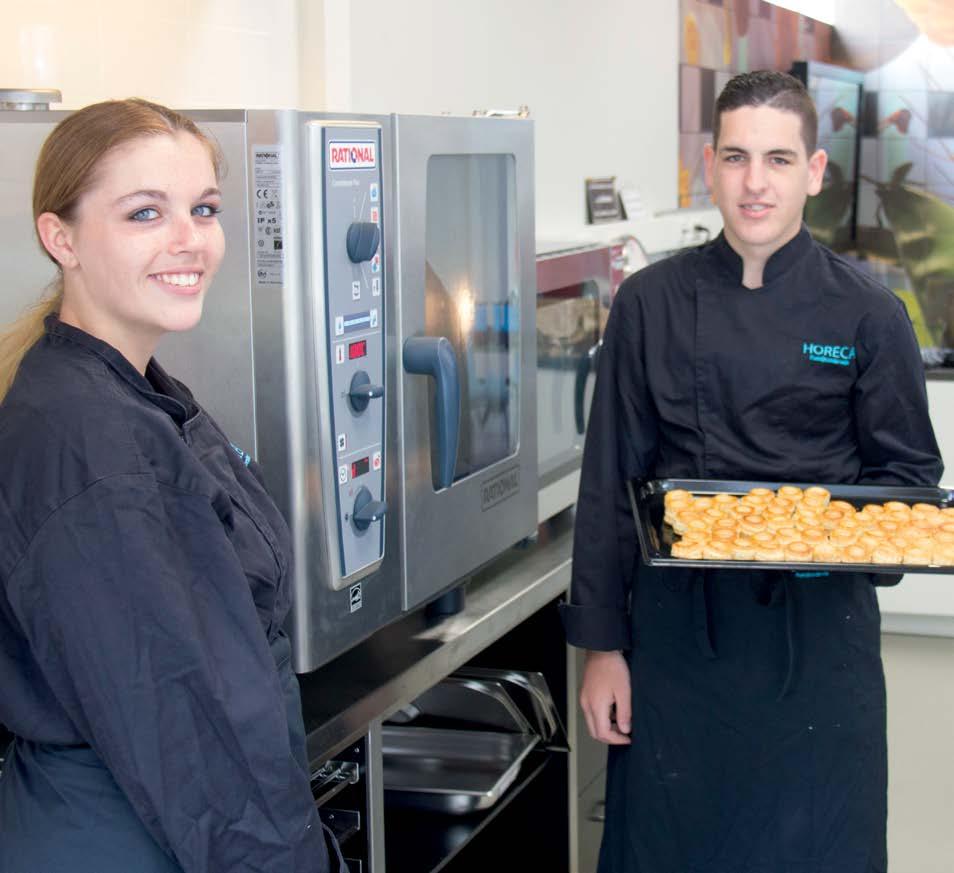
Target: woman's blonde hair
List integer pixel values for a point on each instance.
(65, 170)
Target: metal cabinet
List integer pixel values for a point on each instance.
(587, 778)
(509, 620)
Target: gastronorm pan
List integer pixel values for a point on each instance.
(476, 703)
(537, 692)
(451, 771)
(656, 537)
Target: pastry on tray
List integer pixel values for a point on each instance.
(795, 525)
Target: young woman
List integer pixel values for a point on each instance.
(143, 568)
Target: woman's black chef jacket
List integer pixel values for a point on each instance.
(145, 579)
(758, 738)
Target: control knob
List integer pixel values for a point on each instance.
(361, 392)
(367, 509)
(362, 241)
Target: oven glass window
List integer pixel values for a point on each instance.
(570, 322)
(472, 298)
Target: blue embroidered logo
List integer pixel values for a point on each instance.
(842, 356)
(245, 456)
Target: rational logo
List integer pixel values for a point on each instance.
(498, 489)
(820, 353)
(352, 155)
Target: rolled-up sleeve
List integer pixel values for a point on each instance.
(621, 445)
(140, 616)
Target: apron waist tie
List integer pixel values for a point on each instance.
(787, 594)
(700, 616)
(782, 592)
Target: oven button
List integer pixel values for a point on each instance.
(367, 509)
(362, 392)
(362, 241)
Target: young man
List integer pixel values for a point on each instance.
(744, 710)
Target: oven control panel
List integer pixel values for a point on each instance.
(354, 282)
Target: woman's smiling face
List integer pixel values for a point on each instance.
(143, 244)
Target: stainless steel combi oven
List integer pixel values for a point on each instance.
(369, 339)
(575, 289)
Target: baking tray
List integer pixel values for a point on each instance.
(656, 537)
(452, 771)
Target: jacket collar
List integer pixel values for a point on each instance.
(156, 386)
(777, 265)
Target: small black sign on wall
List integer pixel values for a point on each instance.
(602, 201)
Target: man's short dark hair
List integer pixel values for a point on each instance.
(767, 88)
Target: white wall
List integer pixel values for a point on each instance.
(600, 78)
(920, 764)
(187, 53)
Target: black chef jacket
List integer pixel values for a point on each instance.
(758, 738)
(144, 579)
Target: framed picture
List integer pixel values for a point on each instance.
(602, 201)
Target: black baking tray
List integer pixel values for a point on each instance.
(656, 537)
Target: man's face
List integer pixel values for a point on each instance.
(760, 176)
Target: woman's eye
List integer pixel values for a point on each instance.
(206, 210)
(146, 214)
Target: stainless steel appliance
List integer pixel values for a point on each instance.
(575, 288)
(369, 340)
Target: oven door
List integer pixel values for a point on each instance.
(574, 292)
(466, 310)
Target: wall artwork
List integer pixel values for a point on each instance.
(905, 231)
(718, 39)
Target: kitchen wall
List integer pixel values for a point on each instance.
(198, 53)
(599, 78)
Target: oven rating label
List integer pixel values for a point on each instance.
(267, 215)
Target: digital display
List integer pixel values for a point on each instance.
(357, 350)
(359, 468)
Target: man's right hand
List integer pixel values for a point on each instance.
(606, 686)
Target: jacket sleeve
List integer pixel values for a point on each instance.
(892, 423)
(140, 615)
(621, 440)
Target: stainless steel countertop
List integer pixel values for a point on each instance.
(401, 661)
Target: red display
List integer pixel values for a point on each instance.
(357, 350)
(359, 468)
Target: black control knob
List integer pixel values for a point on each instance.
(361, 392)
(363, 240)
(367, 510)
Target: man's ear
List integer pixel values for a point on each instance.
(816, 171)
(56, 237)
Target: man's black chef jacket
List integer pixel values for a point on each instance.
(758, 740)
(144, 579)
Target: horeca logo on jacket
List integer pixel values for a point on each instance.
(827, 353)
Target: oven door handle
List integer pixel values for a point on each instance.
(434, 356)
(584, 366)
